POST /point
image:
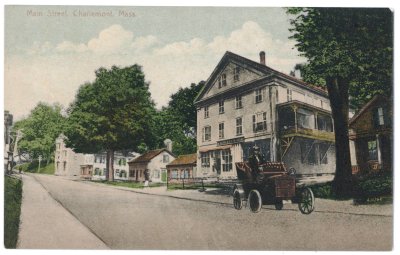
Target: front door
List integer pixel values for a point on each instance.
(163, 175)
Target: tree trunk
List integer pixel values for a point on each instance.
(110, 165)
(338, 90)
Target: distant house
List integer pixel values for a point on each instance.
(155, 161)
(95, 166)
(183, 167)
(67, 162)
(372, 133)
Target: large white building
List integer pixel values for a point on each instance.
(89, 166)
(246, 103)
(67, 162)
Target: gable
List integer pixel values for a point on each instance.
(232, 75)
(251, 71)
(367, 118)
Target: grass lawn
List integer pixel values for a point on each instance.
(12, 210)
(133, 185)
(32, 167)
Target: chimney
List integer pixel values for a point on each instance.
(262, 57)
(168, 144)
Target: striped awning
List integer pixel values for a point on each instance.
(214, 148)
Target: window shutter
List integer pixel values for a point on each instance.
(254, 123)
(386, 117)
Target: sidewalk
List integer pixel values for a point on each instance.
(46, 224)
(213, 195)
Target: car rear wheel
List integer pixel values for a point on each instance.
(237, 200)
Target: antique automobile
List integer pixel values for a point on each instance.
(270, 186)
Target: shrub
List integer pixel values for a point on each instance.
(323, 190)
(12, 210)
(374, 186)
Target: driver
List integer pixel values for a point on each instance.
(255, 159)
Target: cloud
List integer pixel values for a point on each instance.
(68, 46)
(144, 42)
(53, 73)
(111, 40)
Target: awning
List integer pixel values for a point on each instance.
(214, 148)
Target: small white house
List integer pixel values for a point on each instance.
(95, 166)
(155, 161)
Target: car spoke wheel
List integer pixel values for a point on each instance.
(237, 200)
(255, 201)
(306, 204)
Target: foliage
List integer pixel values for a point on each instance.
(374, 185)
(40, 130)
(112, 113)
(354, 43)
(348, 50)
(33, 167)
(12, 210)
(178, 121)
(323, 190)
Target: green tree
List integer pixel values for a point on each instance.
(178, 121)
(112, 113)
(40, 130)
(349, 50)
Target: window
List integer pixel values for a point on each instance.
(132, 173)
(65, 153)
(289, 95)
(238, 102)
(165, 158)
(221, 107)
(305, 119)
(226, 161)
(206, 112)
(96, 171)
(221, 130)
(207, 133)
(380, 116)
(324, 123)
(174, 174)
(259, 95)
(205, 159)
(260, 121)
(222, 81)
(157, 174)
(58, 146)
(64, 165)
(236, 72)
(239, 128)
(186, 173)
(372, 150)
(104, 171)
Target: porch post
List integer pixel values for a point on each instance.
(378, 147)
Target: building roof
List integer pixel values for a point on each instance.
(147, 156)
(258, 66)
(366, 107)
(189, 159)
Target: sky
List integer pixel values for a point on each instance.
(51, 50)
